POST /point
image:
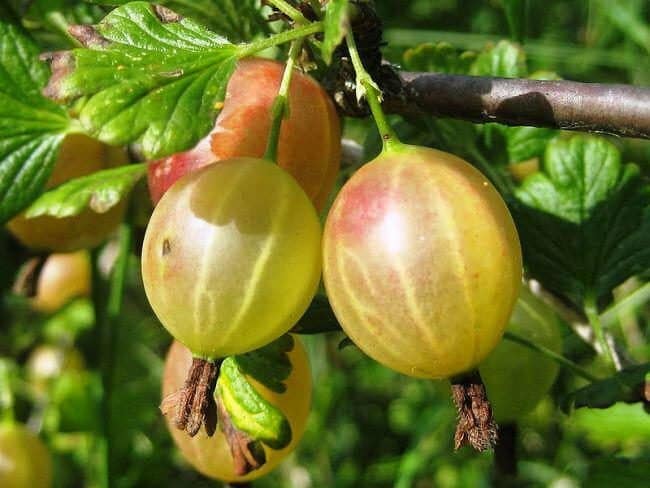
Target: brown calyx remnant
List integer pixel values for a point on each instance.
(26, 282)
(476, 426)
(165, 15)
(247, 453)
(193, 405)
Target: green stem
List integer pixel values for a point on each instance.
(288, 10)
(6, 394)
(373, 96)
(108, 313)
(318, 8)
(281, 38)
(634, 300)
(591, 311)
(281, 107)
(558, 358)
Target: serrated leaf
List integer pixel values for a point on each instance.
(150, 76)
(99, 191)
(524, 143)
(505, 60)
(249, 412)
(337, 25)
(31, 126)
(584, 220)
(629, 385)
(270, 364)
(438, 58)
(238, 20)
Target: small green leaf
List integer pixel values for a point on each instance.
(505, 60)
(438, 58)
(31, 126)
(629, 385)
(337, 25)
(99, 191)
(270, 364)
(584, 219)
(524, 143)
(150, 76)
(249, 412)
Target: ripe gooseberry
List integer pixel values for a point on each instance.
(516, 377)
(421, 262)
(211, 455)
(63, 277)
(229, 271)
(25, 461)
(309, 146)
(47, 362)
(80, 155)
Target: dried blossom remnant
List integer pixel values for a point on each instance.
(62, 63)
(476, 426)
(193, 405)
(165, 15)
(26, 283)
(88, 36)
(247, 453)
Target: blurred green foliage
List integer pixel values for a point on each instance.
(369, 427)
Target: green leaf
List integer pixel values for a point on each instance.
(516, 15)
(584, 219)
(438, 58)
(524, 143)
(337, 25)
(270, 364)
(31, 126)
(238, 20)
(628, 386)
(99, 191)
(150, 77)
(249, 412)
(619, 472)
(505, 60)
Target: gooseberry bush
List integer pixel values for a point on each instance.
(240, 245)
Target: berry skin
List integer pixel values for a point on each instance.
(310, 139)
(24, 460)
(231, 257)
(516, 377)
(79, 156)
(63, 277)
(211, 455)
(421, 262)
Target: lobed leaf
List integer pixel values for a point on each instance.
(31, 126)
(584, 220)
(100, 191)
(149, 75)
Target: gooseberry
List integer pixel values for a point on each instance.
(516, 377)
(64, 276)
(421, 262)
(229, 271)
(25, 462)
(211, 455)
(80, 155)
(47, 362)
(309, 146)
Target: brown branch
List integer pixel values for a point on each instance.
(613, 109)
